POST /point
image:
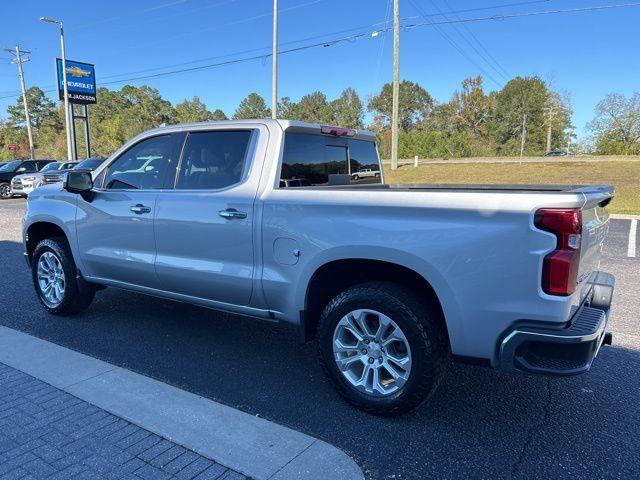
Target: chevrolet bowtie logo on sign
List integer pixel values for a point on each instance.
(78, 72)
(81, 81)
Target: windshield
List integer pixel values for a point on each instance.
(89, 163)
(51, 166)
(11, 166)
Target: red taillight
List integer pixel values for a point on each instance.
(560, 268)
(337, 131)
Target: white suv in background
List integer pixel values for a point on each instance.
(23, 185)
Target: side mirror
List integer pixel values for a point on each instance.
(78, 181)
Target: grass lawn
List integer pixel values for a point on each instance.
(625, 176)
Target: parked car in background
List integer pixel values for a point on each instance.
(58, 176)
(23, 185)
(366, 173)
(392, 280)
(556, 153)
(17, 167)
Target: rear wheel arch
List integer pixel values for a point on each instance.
(335, 276)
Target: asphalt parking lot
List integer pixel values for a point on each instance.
(479, 424)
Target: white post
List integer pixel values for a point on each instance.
(415, 161)
(274, 73)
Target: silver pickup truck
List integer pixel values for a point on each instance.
(265, 218)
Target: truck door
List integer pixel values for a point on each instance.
(115, 226)
(204, 225)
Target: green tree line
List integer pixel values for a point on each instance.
(474, 122)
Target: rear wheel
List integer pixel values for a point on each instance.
(381, 347)
(5, 191)
(55, 278)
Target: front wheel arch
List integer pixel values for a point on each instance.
(36, 232)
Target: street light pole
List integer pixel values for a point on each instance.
(274, 73)
(70, 150)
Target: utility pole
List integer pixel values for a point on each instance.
(274, 73)
(396, 84)
(19, 61)
(523, 135)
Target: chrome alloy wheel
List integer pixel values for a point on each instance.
(372, 352)
(51, 279)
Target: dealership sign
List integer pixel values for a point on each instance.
(81, 82)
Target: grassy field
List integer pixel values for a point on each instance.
(624, 175)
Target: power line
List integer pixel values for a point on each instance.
(498, 67)
(489, 7)
(454, 44)
(508, 16)
(228, 24)
(355, 37)
(383, 42)
(242, 52)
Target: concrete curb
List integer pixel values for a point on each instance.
(253, 446)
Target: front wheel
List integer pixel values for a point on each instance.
(381, 347)
(55, 278)
(5, 191)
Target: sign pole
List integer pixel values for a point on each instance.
(72, 131)
(87, 140)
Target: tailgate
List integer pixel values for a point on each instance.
(595, 224)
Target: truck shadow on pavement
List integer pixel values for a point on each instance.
(479, 423)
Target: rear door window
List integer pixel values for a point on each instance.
(323, 160)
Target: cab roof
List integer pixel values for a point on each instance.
(285, 125)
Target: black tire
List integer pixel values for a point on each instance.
(356, 177)
(418, 321)
(4, 188)
(77, 295)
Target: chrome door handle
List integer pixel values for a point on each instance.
(139, 208)
(231, 213)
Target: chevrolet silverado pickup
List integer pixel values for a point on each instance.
(265, 218)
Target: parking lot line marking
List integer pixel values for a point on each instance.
(631, 252)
